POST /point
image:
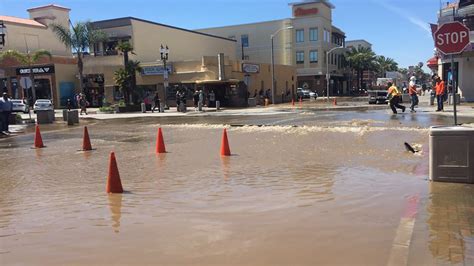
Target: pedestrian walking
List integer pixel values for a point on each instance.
(178, 99)
(6, 107)
(201, 98)
(83, 103)
(156, 103)
(212, 99)
(196, 99)
(69, 105)
(394, 96)
(413, 94)
(440, 91)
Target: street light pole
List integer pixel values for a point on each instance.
(273, 60)
(328, 75)
(164, 57)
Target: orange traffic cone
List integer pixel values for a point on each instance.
(38, 139)
(335, 101)
(114, 185)
(86, 142)
(225, 150)
(160, 143)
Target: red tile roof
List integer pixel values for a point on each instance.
(22, 21)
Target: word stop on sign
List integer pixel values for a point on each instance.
(451, 38)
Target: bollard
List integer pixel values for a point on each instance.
(65, 115)
(72, 117)
(143, 105)
(43, 117)
(218, 105)
(162, 108)
(200, 106)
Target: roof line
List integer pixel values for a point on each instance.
(47, 6)
(22, 21)
(168, 26)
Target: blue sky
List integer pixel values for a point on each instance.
(396, 28)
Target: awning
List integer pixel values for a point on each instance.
(217, 81)
(432, 62)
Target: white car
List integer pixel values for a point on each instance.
(313, 94)
(20, 106)
(43, 105)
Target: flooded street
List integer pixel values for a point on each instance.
(308, 188)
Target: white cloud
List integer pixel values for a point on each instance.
(404, 14)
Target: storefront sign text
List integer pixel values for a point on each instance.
(36, 70)
(250, 68)
(301, 12)
(155, 70)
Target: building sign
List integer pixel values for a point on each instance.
(250, 68)
(301, 12)
(36, 70)
(156, 70)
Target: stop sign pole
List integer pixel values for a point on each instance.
(452, 38)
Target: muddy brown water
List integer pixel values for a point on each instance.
(326, 190)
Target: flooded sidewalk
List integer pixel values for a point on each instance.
(299, 189)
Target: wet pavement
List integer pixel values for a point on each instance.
(306, 187)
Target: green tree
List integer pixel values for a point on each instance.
(125, 48)
(360, 60)
(125, 78)
(385, 64)
(28, 59)
(80, 39)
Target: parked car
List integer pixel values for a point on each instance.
(43, 105)
(302, 93)
(20, 106)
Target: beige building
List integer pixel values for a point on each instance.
(54, 78)
(464, 62)
(301, 41)
(193, 63)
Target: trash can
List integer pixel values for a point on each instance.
(432, 99)
(143, 105)
(451, 101)
(452, 154)
(44, 117)
(65, 115)
(72, 117)
(252, 102)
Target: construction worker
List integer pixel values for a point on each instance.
(413, 94)
(394, 96)
(440, 91)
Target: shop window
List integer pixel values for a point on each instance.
(300, 57)
(299, 36)
(313, 56)
(313, 34)
(245, 40)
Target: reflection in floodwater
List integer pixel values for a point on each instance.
(115, 207)
(451, 222)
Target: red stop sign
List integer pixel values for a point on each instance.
(452, 38)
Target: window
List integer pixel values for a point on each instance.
(313, 34)
(245, 40)
(246, 57)
(299, 35)
(327, 36)
(313, 56)
(300, 57)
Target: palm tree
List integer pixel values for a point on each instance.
(125, 48)
(361, 59)
(125, 78)
(385, 64)
(28, 59)
(80, 39)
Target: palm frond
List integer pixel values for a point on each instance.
(37, 55)
(64, 34)
(16, 55)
